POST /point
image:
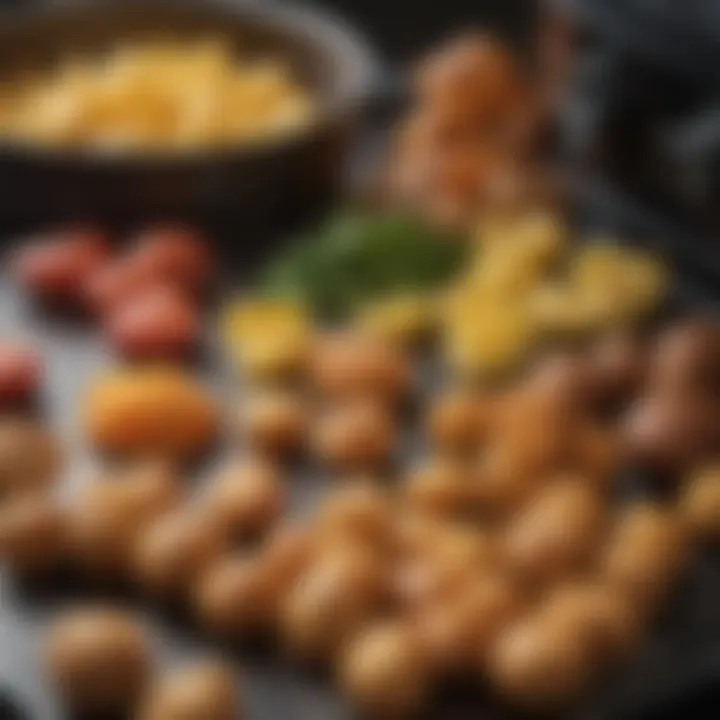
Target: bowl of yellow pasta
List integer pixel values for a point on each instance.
(137, 110)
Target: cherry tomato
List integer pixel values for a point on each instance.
(56, 266)
(159, 323)
(113, 285)
(176, 254)
(20, 372)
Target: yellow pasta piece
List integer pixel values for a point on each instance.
(647, 280)
(637, 280)
(492, 340)
(399, 320)
(596, 265)
(158, 94)
(267, 338)
(561, 309)
(542, 232)
(514, 254)
(508, 272)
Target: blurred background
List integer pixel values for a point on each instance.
(635, 88)
(640, 99)
(403, 28)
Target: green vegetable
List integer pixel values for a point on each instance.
(359, 256)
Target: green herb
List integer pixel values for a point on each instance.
(360, 256)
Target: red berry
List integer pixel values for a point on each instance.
(161, 323)
(116, 284)
(56, 266)
(176, 254)
(21, 371)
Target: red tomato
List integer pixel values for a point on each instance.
(21, 372)
(161, 323)
(56, 266)
(115, 284)
(176, 254)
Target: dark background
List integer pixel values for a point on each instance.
(404, 28)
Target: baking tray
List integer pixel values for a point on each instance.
(680, 658)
